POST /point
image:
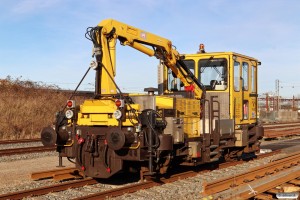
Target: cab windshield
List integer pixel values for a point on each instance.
(213, 73)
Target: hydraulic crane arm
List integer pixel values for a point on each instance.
(104, 37)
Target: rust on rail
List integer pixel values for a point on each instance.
(57, 174)
(7, 152)
(258, 172)
(281, 130)
(48, 189)
(20, 141)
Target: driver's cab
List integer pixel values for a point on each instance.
(230, 76)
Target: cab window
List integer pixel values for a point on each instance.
(253, 79)
(245, 75)
(213, 73)
(174, 84)
(236, 81)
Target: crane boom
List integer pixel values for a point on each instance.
(104, 37)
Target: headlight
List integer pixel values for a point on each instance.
(117, 114)
(69, 114)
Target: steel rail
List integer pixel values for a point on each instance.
(20, 141)
(281, 133)
(48, 189)
(258, 172)
(267, 126)
(151, 183)
(281, 130)
(7, 152)
(114, 192)
(139, 186)
(52, 173)
(267, 183)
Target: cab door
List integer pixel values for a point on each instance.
(242, 100)
(253, 108)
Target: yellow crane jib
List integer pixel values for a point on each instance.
(104, 37)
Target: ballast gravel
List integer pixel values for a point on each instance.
(15, 176)
(192, 188)
(16, 170)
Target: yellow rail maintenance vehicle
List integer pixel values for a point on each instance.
(205, 110)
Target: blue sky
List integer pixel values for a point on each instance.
(44, 40)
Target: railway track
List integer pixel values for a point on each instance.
(256, 181)
(20, 141)
(117, 191)
(257, 173)
(8, 152)
(110, 192)
(151, 183)
(287, 188)
(17, 147)
(48, 189)
(58, 174)
(270, 187)
(281, 124)
(281, 130)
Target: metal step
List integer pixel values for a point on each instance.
(213, 146)
(214, 159)
(223, 141)
(213, 153)
(251, 142)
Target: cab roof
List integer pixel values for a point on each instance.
(220, 54)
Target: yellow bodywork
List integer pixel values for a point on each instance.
(189, 110)
(165, 102)
(100, 113)
(236, 107)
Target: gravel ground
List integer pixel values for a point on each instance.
(13, 179)
(79, 192)
(16, 170)
(30, 156)
(192, 188)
